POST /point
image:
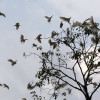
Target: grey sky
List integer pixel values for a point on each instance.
(30, 14)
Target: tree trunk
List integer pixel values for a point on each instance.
(88, 98)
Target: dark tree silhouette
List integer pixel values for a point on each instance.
(74, 52)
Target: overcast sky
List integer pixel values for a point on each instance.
(30, 14)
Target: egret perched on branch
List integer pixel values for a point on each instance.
(61, 24)
(54, 34)
(60, 86)
(69, 90)
(75, 24)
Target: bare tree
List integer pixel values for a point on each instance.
(74, 52)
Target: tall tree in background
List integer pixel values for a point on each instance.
(73, 60)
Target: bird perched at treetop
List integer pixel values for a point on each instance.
(1, 14)
(39, 48)
(61, 24)
(30, 86)
(92, 24)
(12, 62)
(60, 86)
(68, 31)
(75, 24)
(53, 34)
(54, 44)
(90, 79)
(69, 90)
(33, 92)
(48, 18)
(17, 26)
(95, 84)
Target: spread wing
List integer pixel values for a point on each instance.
(39, 38)
(47, 17)
(65, 19)
(10, 60)
(17, 26)
(21, 37)
(6, 86)
(1, 14)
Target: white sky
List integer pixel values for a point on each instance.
(30, 14)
